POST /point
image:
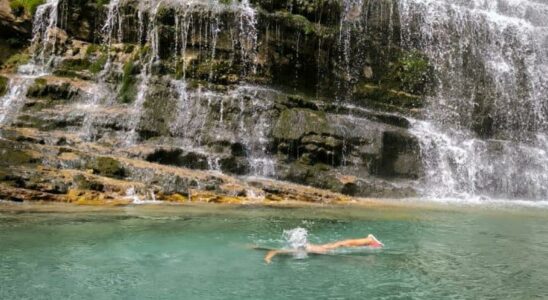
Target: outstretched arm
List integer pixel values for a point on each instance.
(268, 257)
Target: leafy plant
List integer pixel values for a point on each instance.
(22, 7)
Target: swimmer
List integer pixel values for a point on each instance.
(369, 241)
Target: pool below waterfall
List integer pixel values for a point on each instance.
(206, 252)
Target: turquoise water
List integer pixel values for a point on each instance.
(205, 253)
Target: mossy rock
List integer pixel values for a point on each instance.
(295, 123)
(387, 99)
(42, 89)
(11, 155)
(75, 64)
(215, 71)
(107, 166)
(325, 11)
(411, 73)
(74, 68)
(296, 101)
(4, 85)
(177, 157)
(84, 183)
(16, 60)
(98, 65)
(235, 165)
(128, 88)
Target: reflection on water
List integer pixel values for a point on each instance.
(206, 253)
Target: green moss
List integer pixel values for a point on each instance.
(21, 7)
(4, 82)
(84, 183)
(12, 156)
(98, 65)
(128, 90)
(411, 73)
(93, 48)
(17, 60)
(70, 74)
(40, 81)
(128, 48)
(75, 64)
(53, 92)
(107, 166)
(101, 2)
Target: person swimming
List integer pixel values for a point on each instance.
(369, 241)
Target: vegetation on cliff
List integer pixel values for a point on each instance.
(25, 7)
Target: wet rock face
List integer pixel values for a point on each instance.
(164, 90)
(4, 85)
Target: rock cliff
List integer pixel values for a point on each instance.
(171, 99)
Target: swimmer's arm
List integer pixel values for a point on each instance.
(268, 257)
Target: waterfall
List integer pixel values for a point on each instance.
(247, 35)
(485, 133)
(44, 33)
(14, 98)
(43, 55)
(152, 38)
(200, 118)
(112, 32)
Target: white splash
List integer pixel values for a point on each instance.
(297, 239)
(150, 197)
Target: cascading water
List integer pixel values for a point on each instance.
(112, 32)
(43, 33)
(43, 55)
(486, 130)
(200, 117)
(14, 98)
(152, 39)
(247, 35)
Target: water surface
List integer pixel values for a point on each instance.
(203, 252)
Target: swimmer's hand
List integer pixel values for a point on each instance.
(270, 255)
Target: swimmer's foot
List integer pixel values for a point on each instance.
(375, 243)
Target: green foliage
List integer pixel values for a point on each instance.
(3, 85)
(413, 73)
(22, 7)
